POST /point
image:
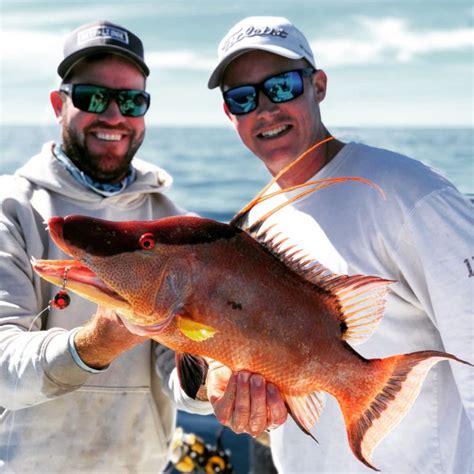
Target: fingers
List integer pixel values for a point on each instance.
(218, 377)
(224, 403)
(277, 411)
(109, 325)
(242, 408)
(247, 404)
(258, 420)
(243, 401)
(267, 407)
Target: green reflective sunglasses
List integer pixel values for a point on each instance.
(96, 99)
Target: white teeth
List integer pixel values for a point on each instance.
(274, 132)
(110, 137)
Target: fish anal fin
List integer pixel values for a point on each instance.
(305, 410)
(193, 330)
(372, 410)
(192, 372)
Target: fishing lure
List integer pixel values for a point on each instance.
(62, 299)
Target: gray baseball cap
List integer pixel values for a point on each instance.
(101, 37)
(268, 33)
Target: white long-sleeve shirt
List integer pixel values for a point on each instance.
(421, 236)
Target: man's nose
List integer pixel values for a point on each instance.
(266, 107)
(112, 113)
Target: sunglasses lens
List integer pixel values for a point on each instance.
(95, 99)
(284, 87)
(92, 99)
(133, 103)
(241, 100)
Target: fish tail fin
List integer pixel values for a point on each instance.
(380, 401)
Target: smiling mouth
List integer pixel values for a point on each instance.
(275, 132)
(108, 137)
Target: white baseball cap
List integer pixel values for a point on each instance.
(268, 33)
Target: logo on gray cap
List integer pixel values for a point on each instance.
(110, 32)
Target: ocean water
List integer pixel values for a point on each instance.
(215, 175)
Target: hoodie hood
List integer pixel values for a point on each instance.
(45, 171)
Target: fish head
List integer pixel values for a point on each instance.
(116, 264)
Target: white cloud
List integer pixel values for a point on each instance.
(376, 40)
(25, 51)
(179, 59)
(370, 40)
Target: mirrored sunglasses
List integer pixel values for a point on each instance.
(96, 99)
(279, 88)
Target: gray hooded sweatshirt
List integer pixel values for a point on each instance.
(55, 416)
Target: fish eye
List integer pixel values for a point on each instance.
(147, 241)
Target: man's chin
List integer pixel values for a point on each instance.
(112, 151)
(108, 173)
(105, 161)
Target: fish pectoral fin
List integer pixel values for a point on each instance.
(193, 330)
(305, 410)
(192, 372)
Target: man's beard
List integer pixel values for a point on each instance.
(78, 152)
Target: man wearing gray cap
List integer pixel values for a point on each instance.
(82, 394)
(420, 236)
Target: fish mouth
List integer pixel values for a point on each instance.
(80, 238)
(74, 275)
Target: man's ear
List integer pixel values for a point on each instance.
(320, 85)
(57, 102)
(227, 112)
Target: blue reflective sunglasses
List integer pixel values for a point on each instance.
(280, 88)
(95, 99)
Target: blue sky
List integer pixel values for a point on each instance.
(389, 63)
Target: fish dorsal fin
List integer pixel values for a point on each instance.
(240, 217)
(239, 220)
(305, 409)
(361, 298)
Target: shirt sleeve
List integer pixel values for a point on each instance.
(166, 369)
(436, 258)
(35, 365)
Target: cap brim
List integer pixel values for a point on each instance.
(68, 63)
(215, 79)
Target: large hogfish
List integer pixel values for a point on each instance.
(232, 293)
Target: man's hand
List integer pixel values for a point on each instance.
(243, 401)
(104, 338)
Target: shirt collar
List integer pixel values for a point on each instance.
(104, 189)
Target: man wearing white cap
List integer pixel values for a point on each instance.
(420, 236)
